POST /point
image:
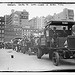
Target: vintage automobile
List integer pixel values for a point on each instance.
(8, 45)
(1, 44)
(52, 42)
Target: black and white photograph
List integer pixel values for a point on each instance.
(37, 36)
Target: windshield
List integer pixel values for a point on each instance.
(62, 31)
(58, 27)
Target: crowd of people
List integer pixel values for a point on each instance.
(25, 44)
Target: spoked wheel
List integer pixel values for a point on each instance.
(39, 53)
(55, 58)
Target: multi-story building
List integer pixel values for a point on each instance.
(24, 16)
(2, 26)
(9, 31)
(33, 23)
(42, 21)
(14, 24)
(66, 14)
(18, 18)
(29, 31)
(37, 22)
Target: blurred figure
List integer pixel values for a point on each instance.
(55, 35)
(64, 33)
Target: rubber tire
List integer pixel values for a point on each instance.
(39, 53)
(55, 58)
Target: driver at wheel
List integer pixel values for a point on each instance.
(64, 32)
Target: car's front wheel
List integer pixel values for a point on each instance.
(55, 58)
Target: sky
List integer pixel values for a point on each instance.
(36, 10)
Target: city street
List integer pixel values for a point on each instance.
(24, 62)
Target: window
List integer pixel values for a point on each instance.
(2, 26)
(15, 29)
(59, 27)
(2, 39)
(2, 31)
(5, 26)
(2, 35)
(24, 30)
(0, 22)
